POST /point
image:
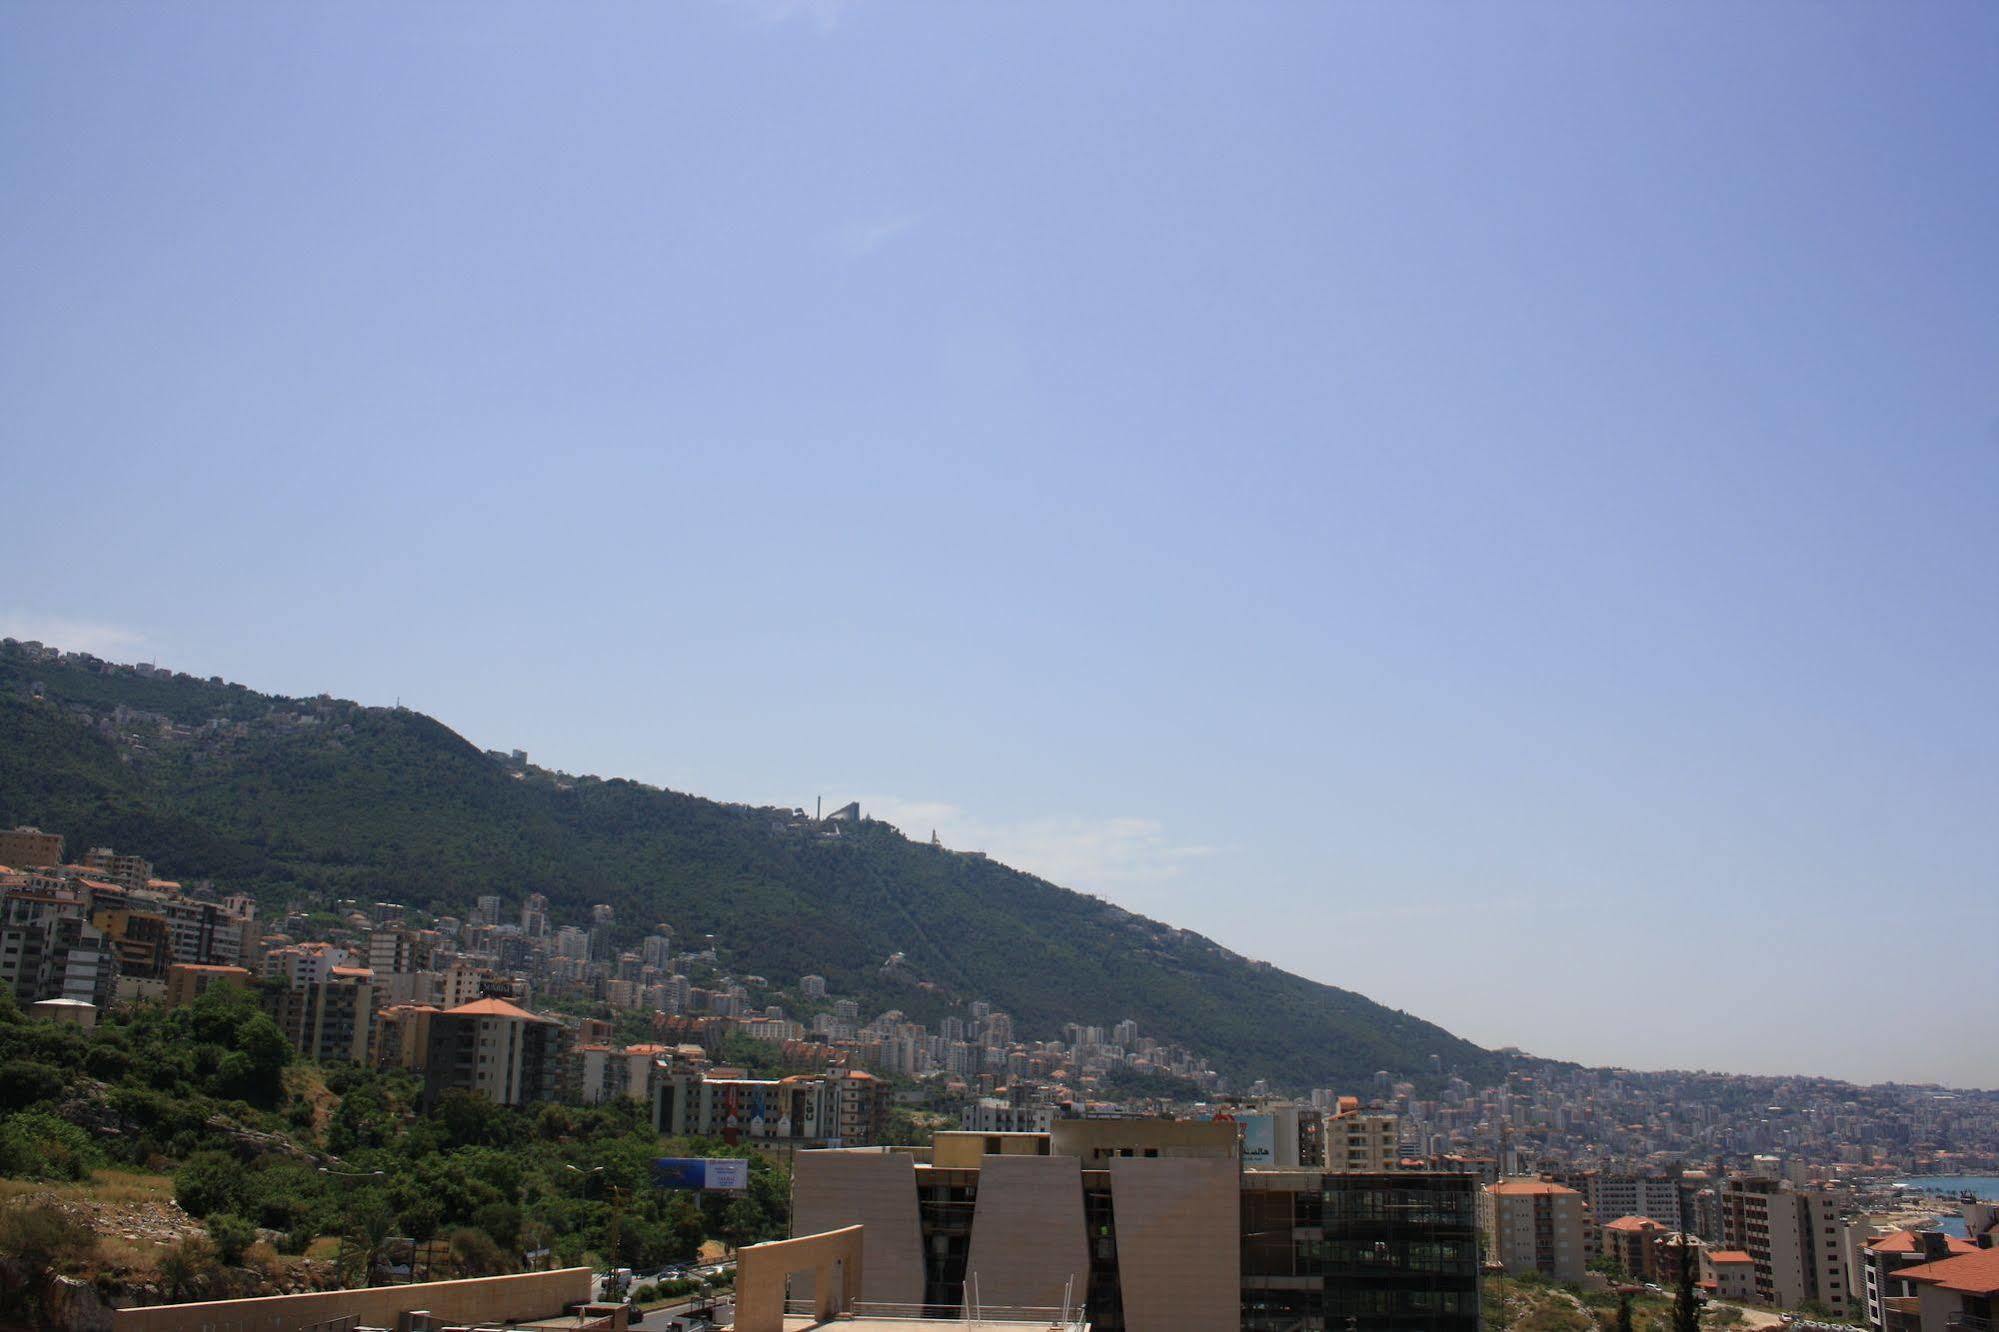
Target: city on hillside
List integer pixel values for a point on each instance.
(1307, 1206)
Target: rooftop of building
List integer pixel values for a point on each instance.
(1638, 1223)
(1974, 1273)
(1905, 1241)
(1530, 1188)
(1723, 1256)
(495, 1008)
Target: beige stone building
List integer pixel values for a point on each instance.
(1535, 1226)
(1795, 1238)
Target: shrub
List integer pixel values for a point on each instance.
(34, 1144)
(210, 1182)
(24, 1083)
(231, 1235)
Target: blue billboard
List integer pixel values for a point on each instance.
(700, 1172)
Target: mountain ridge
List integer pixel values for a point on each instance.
(285, 797)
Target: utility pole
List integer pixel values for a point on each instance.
(340, 1260)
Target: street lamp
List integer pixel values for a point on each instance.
(340, 1260)
(617, 1211)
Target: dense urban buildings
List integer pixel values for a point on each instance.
(1358, 1206)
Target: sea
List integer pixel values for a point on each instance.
(1983, 1187)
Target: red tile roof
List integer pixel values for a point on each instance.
(1974, 1273)
(1904, 1241)
(1633, 1223)
(494, 1008)
(1730, 1256)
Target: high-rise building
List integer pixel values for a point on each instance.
(1795, 1238)
(814, 987)
(493, 1049)
(331, 1020)
(1536, 1226)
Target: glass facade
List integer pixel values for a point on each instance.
(1401, 1252)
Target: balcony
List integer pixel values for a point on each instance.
(1965, 1322)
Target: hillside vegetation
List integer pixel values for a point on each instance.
(292, 797)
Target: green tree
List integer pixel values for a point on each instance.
(1624, 1313)
(231, 1234)
(185, 1267)
(1686, 1310)
(34, 1144)
(23, 1082)
(210, 1182)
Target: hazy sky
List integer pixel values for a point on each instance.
(1492, 505)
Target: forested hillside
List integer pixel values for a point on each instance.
(288, 797)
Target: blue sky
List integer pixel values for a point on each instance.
(1488, 505)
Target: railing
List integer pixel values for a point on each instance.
(1967, 1322)
(1051, 1317)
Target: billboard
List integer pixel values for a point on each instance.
(699, 1172)
(1259, 1140)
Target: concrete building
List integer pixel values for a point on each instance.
(1729, 1274)
(836, 1108)
(187, 980)
(30, 848)
(1618, 1195)
(1536, 1226)
(1149, 1224)
(1628, 1241)
(1362, 1143)
(128, 872)
(493, 1049)
(1958, 1293)
(1899, 1249)
(997, 1114)
(1795, 1238)
(49, 949)
(332, 1020)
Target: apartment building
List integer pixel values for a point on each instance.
(129, 872)
(1361, 1143)
(29, 848)
(402, 1036)
(996, 1114)
(493, 1049)
(1628, 1242)
(1536, 1226)
(331, 1020)
(1619, 1195)
(1891, 1253)
(1729, 1274)
(594, 1072)
(49, 949)
(1957, 1293)
(186, 981)
(1794, 1236)
(836, 1108)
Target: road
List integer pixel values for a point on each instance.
(658, 1320)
